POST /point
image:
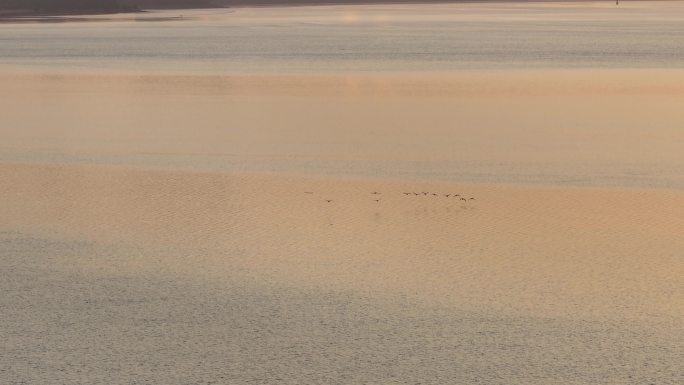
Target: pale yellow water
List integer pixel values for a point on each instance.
(192, 201)
(258, 278)
(579, 127)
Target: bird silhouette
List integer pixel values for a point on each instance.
(447, 195)
(472, 199)
(328, 200)
(375, 193)
(463, 199)
(377, 200)
(407, 193)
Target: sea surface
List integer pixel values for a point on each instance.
(186, 196)
(585, 94)
(358, 38)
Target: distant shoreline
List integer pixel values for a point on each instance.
(31, 15)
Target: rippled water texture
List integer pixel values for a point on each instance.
(362, 38)
(273, 195)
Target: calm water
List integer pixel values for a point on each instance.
(361, 38)
(385, 90)
(407, 91)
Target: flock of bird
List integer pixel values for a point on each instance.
(376, 194)
(427, 193)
